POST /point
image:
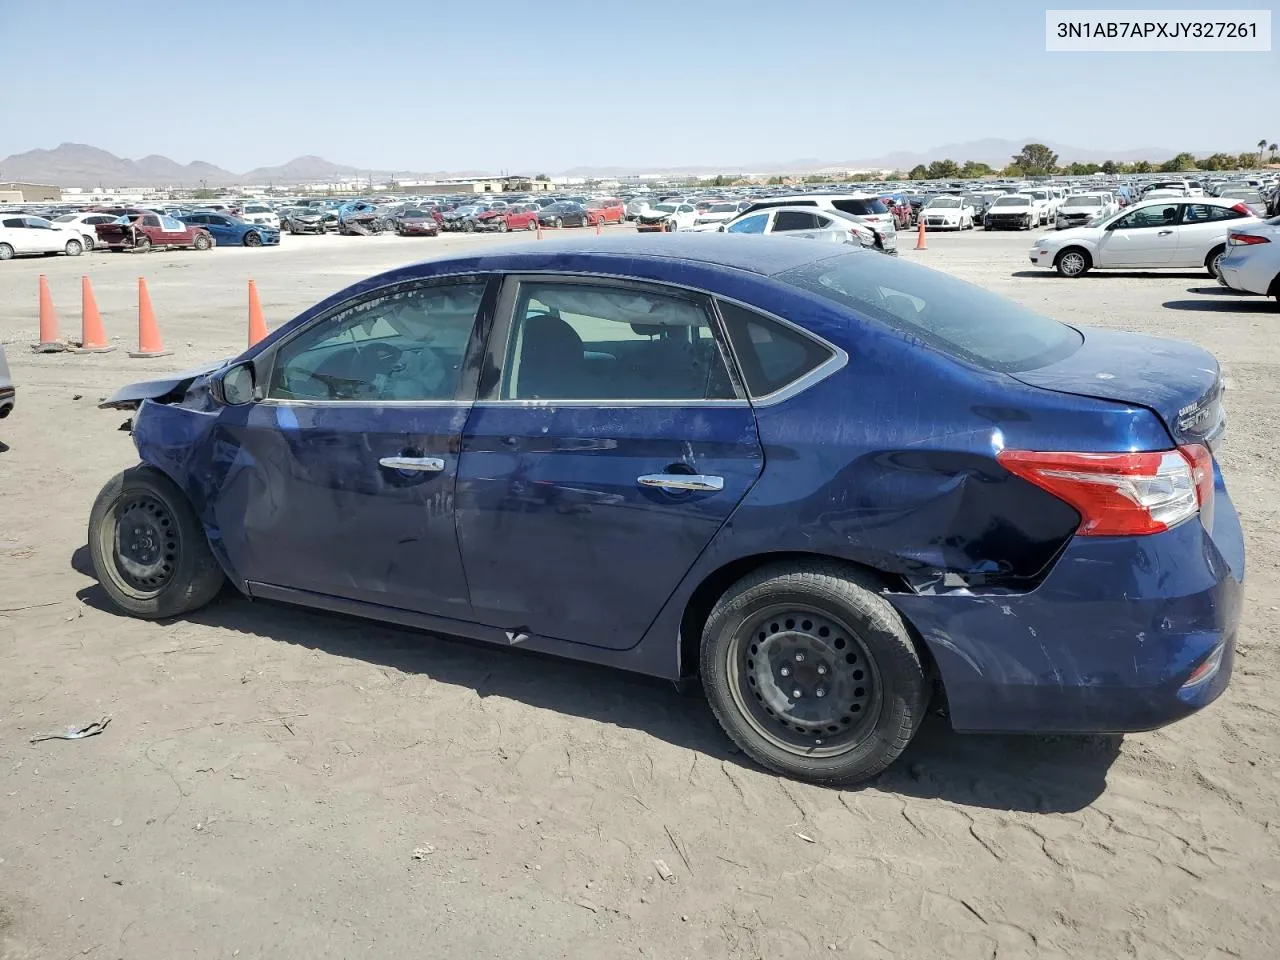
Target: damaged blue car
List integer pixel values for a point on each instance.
(833, 486)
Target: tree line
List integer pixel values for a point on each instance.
(1037, 160)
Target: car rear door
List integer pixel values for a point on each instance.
(342, 476)
(1144, 237)
(1202, 227)
(609, 444)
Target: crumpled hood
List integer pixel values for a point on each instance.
(130, 396)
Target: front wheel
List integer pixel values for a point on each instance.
(143, 244)
(202, 242)
(253, 239)
(148, 548)
(74, 248)
(812, 673)
(6, 251)
(1073, 262)
(557, 223)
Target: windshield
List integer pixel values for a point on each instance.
(66, 218)
(961, 320)
(723, 208)
(413, 213)
(949, 203)
(1083, 202)
(1008, 201)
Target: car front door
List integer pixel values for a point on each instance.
(343, 473)
(41, 237)
(609, 445)
(1145, 237)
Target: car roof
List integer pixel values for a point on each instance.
(765, 256)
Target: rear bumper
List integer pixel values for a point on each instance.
(1106, 644)
(1246, 273)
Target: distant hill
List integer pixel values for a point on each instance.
(80, 165)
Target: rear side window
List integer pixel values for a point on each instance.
(860, 208)
(957, 318)
(794, 220)
(771, 355)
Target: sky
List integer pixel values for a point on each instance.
(499, 85)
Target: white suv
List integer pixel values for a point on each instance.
(865, 208)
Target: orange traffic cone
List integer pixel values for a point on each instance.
(598, 228)
(539, 223)
(257, 323)
(920, 242)
(93, 339)
(149, 342)
(49, 341)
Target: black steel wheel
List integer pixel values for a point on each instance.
(813, 673)
(253, 239)
(148, 548)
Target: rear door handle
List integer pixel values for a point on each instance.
(1163, 233)
(681, 481)
(417, 464)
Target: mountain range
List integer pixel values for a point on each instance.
(80, 165)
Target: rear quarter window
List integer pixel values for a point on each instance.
(956, 318)
(772, 356)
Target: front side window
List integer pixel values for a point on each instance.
(588, 342)
(752, 224)
(1155, 215)
(401, 346)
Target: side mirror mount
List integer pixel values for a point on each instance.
(237, 385)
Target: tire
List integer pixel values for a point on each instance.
(1073, 262)
(468, 226)
(169, 570)
(89, 243)
(557, 223)
(532, 224)
(74, 248)
(253, 239)
(853, 645)
(1211, 261)
(202, 242)
(502, 226)
(143, 244)
(6, 251)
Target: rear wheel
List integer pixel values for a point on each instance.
(1212, 261)
(532, 224)
(149, 549)
(6, 251)
(88, 242)
(812, 673)
(74, 248)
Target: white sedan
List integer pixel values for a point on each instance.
(21, 235)
(1252, 260)
(85, 223)
(948, 213)
(1174, 233)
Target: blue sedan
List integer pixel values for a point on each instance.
(835, 486)
(233, 231)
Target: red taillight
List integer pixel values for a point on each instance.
(1246, 239)
(1121, 494)
(1243, 209)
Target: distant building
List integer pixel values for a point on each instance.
(474, 185)
(29, 192)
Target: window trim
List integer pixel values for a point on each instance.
(465, 395)
(500, 335)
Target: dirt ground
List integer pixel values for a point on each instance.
(276, 783)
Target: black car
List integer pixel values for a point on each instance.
(463, 217)
(563, 213)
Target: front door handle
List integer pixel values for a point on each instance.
(681, 481)
(417, 464)
(1163, 233)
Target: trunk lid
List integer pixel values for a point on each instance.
(1179, 382)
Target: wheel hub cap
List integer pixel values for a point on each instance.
(806, 682)
(146, 544)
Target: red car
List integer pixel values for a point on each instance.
(517, 216)
(146, 230)
(611, 210)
